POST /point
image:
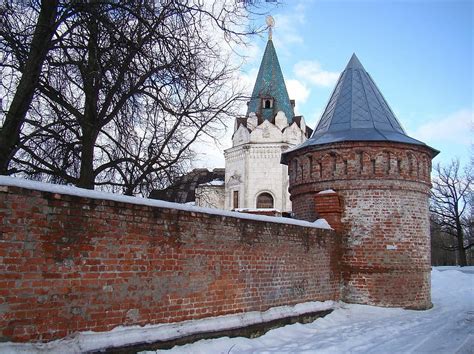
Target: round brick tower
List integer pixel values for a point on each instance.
(371, 181)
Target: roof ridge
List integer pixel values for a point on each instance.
(352, 91)
(367, 100)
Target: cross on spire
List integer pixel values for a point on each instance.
(270, 23)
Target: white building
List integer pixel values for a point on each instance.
(254, 177)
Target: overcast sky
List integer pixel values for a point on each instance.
(419, 53)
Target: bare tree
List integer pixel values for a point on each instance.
(32, 42)
(451, 205)
(443, 247)
(126, 89)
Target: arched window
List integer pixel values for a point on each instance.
(267, 103)
(265, 201)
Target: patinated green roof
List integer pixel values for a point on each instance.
(270, 84)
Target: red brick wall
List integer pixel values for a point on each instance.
(328, 206)
(73, 264)
(387, 248)
(383, 189)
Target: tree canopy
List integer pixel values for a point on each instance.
(451, 206)
(112, 93)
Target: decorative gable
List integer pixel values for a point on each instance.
(293, 135)
(252, 121)
(281, 121)
(302, 124)
(266, 133)
(241, 136)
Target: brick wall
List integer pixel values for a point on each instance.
(387, 248)
(71, 264)
(383, 191)
(328, 206)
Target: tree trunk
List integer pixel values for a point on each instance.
(15, 117)
(87, 177)
(90, 125)
(461, 250)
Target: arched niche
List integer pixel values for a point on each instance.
(265, 201)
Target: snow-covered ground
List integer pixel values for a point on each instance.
(446, 328)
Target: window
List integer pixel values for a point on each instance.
(236, 199)
(267, 103)
(265, 201)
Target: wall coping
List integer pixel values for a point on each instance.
(7, 181)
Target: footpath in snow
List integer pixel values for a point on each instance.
(446, 328)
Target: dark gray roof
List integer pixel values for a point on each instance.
(357, 111)
(183, 190)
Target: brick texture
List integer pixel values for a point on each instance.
(382, 190)
(328, 206)
(73, 264)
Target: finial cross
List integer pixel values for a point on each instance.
(270, 23)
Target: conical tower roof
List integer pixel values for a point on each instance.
(357, 111)
(270, 84)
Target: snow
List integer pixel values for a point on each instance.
(214, 182)
(444, 329)
(322, 223)
(121, 336)
(86, 193)
(327, 191)
(256, 209)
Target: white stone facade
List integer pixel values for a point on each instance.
(254, 176)
(210, 195)
(252, 164)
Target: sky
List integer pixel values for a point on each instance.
(419, 53)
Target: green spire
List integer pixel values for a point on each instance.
(269, 94)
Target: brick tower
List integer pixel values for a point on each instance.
(371, 181)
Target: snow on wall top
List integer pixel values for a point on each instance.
(327, 191)
(86, 193)
(214, 182)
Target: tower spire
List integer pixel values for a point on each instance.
(269, 95)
